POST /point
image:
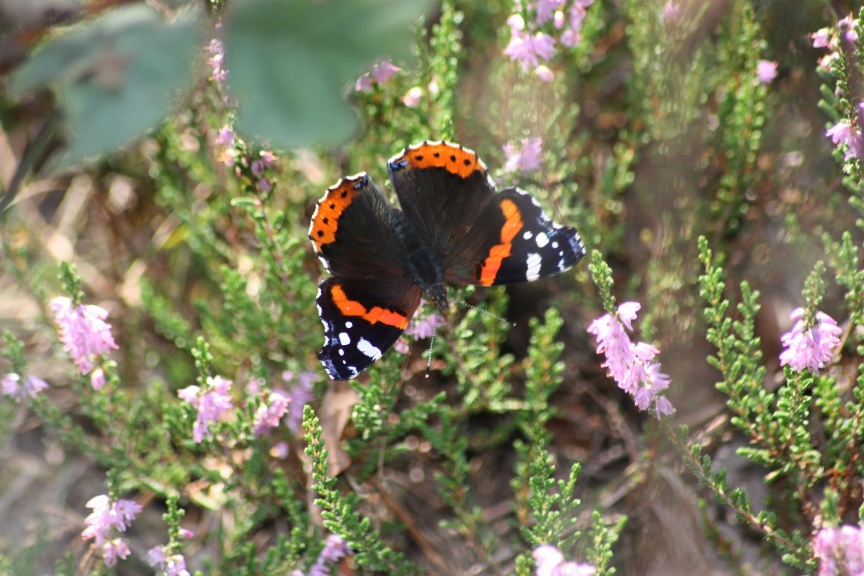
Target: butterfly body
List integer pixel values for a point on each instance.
(453, 227)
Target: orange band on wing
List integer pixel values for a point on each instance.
(512, 225)
(455, 159)
(376, 314)
(325, 221)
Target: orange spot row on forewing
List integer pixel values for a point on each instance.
(375, 314)
(512, 225)
(454, 159)
(325, 221)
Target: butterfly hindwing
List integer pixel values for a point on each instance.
(362, 320)
(513, 241)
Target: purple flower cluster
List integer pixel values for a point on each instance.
(301, 394)
(84, 333)
(632, 366)
(212, 404)
(810, 346)
(334, 550)
(848, 130)
(380, 74)
(217, 61)
(528, 156)
(421, 327)
(11, 385)
(106, 517)
(270, 413)
(550, 562)
(173, 565)
(840, 551)
(533, 41)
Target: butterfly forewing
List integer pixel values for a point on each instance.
(516, 242)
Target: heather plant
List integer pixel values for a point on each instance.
(688, 400)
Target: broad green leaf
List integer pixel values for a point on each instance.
(289, 61)
(115, 77)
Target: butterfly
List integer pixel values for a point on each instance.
(453, 227)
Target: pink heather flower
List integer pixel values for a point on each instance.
(113, 549)
(108, 516)
(280, 450)
(83, 331)
(810, 347)
(412, 98)
(174, 565)
(840, 550)
(550, 562)
(363, 84)
(212, 405)
(422, 327)
(632, 366)
(546, 10)
(217, 60)
(527, 49)
(257, 168)
(97, 379)
(671, 13)
(766, 71)
(401, 345)
(9, 386)
(528, 158)
(269, 414)
(821, 38)
(847, 26)
(264, 185)
(544, 73)
(334, 550)
(301, 394)
(384, 71)
(842, 132)
(268, 158)
(516, 23)
(226, 136)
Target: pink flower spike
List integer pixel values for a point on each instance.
(114, 549)
(226, 136)
(97, 379)
(546, 10)
(83, 330)
(412, 98)
(384, 71)
(516, 23)
(842, 133)
(632, 366)
(550, 562)
(821, 38)
(301, 394)
(363, 84)
(528, 157)
(766, 71)
(212, 405)
(9, 386)
(269, 414)
(544, 73)
(627, 313)
(527, 50)
(810, 347)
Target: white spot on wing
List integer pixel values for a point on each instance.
(349, 324)
(542, 239)
(533, 262)
(528, 235)
(344, 339)
(368, 349)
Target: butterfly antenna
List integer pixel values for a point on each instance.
(431, 342)
(482, 311)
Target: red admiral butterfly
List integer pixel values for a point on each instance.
(454, 226)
